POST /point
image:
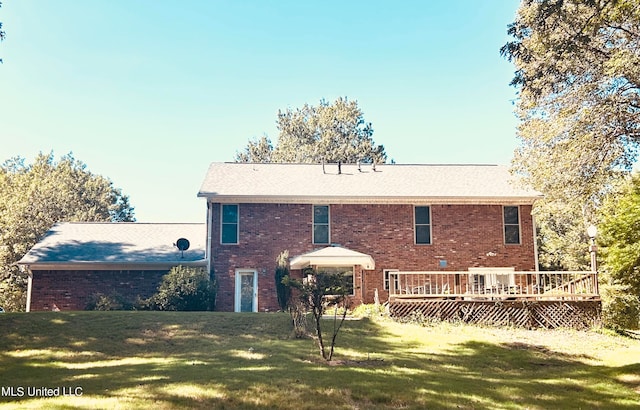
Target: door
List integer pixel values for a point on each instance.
(246, 299)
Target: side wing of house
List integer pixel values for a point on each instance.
(74, 262)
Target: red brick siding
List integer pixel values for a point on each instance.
(72, 290)
(463, 235)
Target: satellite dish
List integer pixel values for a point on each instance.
(182, 244)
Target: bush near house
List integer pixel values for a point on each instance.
(184, 289)
(113, 301)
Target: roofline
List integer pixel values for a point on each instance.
(440, 200)
(125, 223)
(37, 266)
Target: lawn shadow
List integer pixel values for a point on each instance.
(204, 360)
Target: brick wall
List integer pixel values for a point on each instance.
(72, 290)
(462, 235)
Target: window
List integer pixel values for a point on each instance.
(347, 276)
(511, 225)
(391, 274)
(423, 225)
(229, 225)
(321, 224)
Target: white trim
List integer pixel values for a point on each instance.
(209, 243)
(237, 242)
(238, 287)
(535, 242)
(332, 256)
(319, 269)
(313, 224)
(386, 273)
(399, 200)
(115, 265)
(415, 241)
(504, 226)
(29, 289)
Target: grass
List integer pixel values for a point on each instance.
(165, 360)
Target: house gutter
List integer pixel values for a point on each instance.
(113, 265)
(403, 200)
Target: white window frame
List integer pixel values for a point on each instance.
(313, 225)
(505, 224)
(386, 277)
(319, 269)
(415, 226)
(222, 223)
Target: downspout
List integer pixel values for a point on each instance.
(362, 290)
(535, 242)
(535, 246)
(209, 233)
(29, 286)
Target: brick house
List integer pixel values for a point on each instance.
(365, 221)
(455, 242)
(75, 261)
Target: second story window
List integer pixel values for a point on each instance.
(321, 224)
(229, 225)
(511, 225)
(423, 225)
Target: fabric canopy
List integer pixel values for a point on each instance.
(333, 256)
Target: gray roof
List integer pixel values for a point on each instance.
(389, 183)
(75, 245)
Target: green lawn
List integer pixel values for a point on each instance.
(160, 360)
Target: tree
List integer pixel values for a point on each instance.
(578, 75)
(318, 291)
(329, 132)
(34, 197)
(2, 33)
(620, 240)
(283, 292)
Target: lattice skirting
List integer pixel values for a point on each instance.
(529, 314)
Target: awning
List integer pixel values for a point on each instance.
(333, 256)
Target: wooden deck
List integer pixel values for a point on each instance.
(499, 297)
(487, 285)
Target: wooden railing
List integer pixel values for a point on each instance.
(490, 285)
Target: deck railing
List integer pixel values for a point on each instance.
(490, 285)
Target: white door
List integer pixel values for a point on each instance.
(246, 291)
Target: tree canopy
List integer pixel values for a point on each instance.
(620, 239)
(578, 76)
(578, 72)
(34, 197)
(329, 132)
(2, 33)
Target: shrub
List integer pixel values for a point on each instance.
(371, 311)
(282, 271)
(185, 289)
(620, 308)
(114, 301)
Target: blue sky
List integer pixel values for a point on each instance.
(148, 93)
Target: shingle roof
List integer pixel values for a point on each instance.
(246, 182)
(74, 245)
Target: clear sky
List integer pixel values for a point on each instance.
(148, 93)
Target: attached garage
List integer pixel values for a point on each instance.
(75, 261)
